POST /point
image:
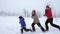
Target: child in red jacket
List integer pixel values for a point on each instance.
(48, 13)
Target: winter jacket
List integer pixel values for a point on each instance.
(22, 22)
(35, 19)
(48, 13)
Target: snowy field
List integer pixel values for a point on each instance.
(10, 25)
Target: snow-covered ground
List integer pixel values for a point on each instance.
(10, 25)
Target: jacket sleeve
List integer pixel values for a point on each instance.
(45, 13)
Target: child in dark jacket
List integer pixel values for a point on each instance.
(23, 24)
(48, 13)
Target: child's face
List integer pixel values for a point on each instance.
(33, 12)
(47, 7)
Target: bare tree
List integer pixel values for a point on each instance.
(25, 12)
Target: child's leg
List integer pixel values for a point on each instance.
(41, 27)
(33, 28)
(27, 29)
(46, 24)
(54, 25)
(22, 30)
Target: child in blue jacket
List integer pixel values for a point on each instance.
(23, 24)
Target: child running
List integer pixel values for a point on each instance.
(36, 21)
(23, 24)
(48, 13)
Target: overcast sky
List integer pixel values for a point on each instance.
(20, 5)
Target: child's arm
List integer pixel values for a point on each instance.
(31, 16)
(45, 12)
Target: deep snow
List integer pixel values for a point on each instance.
(10, 25)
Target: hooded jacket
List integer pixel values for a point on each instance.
(48, 13)
(22, 22)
